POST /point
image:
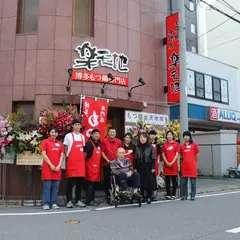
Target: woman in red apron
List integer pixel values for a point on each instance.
(190, 155)
(52, 152)
(93, 166)
(129, 147)
(75, 166)
(157, 149)
(170, 153)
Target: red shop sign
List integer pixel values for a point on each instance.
(173, 69)
(98, 78)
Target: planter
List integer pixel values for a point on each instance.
(29, 158)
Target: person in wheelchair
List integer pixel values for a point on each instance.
(124, 173)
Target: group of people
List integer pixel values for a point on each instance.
(135, 165)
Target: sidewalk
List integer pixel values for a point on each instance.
(204, 186)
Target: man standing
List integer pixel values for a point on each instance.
(93, 166)
(75, 167)
(109, 153)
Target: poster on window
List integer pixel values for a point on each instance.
(191, 82)
(224, 91)
(208, 87)
(172, 50)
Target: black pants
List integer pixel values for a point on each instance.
(174, 179)
(90, 193)
(106, 181)
(78, 181)
(123, 181)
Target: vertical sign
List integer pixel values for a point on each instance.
(173, 69)
(94, 112)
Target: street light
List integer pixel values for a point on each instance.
(110, 76)
(70, 71)
(142, 83)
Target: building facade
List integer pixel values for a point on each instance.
(37, 47)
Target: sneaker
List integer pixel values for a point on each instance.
(168, 198)
(46, 207)
(80, 204)
(173, 197)
(70, 204)
(149, 201)
(192, 198)
(55, 206)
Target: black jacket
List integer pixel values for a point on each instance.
(144, 154)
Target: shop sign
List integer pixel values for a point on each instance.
(173, 68)
(91, 57)
(151, 118)
(98, 78)
(224, 115)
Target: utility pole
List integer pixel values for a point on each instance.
(183, 76)
(183, 70)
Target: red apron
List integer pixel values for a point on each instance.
(129, 154)
(53, 151)
(75, 161)
(93, 164)
(156, 162)
(189, 162)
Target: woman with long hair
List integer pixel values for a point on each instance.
(170, 153)
(144, 163)
(129, 147)
(190, 155)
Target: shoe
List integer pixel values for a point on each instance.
(149, 201)
(173, 197)
(192, 199)
(46, 207)
(55, 206)
(136, 192)
(168, 198)
(70, 204)
(80, 204)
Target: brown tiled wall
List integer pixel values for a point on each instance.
(35, 64)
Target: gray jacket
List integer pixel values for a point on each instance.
(147, 156)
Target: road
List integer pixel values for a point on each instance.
(208, 218)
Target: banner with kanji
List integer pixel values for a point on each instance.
(173, 69)
(94, 116)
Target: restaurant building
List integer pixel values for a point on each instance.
(41, 40)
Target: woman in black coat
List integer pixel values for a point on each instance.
(144, 163)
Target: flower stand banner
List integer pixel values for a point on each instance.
(29, 158)
(94, 113)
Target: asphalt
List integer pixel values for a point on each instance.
(207, 218)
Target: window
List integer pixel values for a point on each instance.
(216, 89)
(200, 92)
(83, 18)
(27, 16)
(194, 49)
(193, 28)
(27, 107)
(207, 87)
(191, 6)
(224, 91)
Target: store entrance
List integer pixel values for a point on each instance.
(116, 119)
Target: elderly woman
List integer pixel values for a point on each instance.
(144, 163)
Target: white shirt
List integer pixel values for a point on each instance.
(68, 140)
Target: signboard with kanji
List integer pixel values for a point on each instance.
(91, 57)
(98, 78)
(173, 69)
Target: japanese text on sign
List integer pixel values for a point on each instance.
(91, 57)
(98, 77)
(173, 69)
(151, 118)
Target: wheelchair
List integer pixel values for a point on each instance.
(118, 196)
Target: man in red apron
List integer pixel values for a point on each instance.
(75, 166)
(52, 152)
(109, 153)
(190, 155)
(157, 149)
(93, 166)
